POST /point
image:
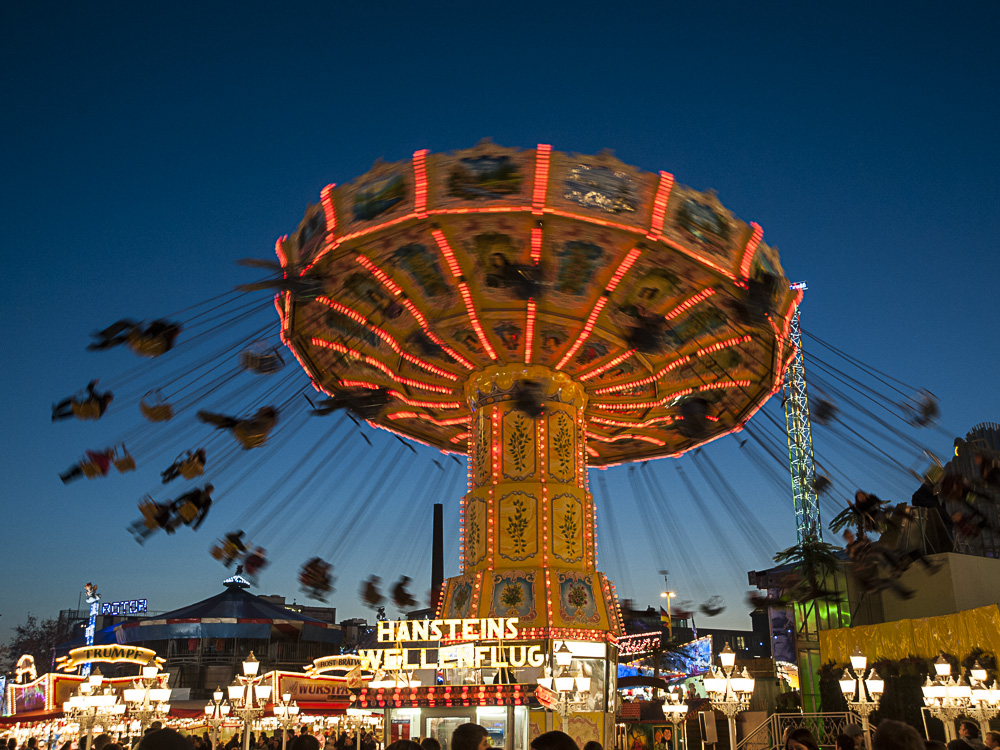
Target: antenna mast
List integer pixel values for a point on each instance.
(800, 448)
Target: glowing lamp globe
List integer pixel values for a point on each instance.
(150, 669)
(847, 684)
(562, 655)
(727, 658)
(875, 684)
(564, 682)
(942, 668)
(858, 661)
(251, 665)
(977, 673)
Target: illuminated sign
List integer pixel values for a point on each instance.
(341, 663)
(109, 654)
(468, 655)
(486, 629)
(131, 607)
(638, 643)
(306, 690)
(25, 668)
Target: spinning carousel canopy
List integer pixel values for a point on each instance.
(669, 311)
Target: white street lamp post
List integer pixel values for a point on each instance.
(216, 712)
(149, 695)
(946, 698)
(90, 706)
(984, 703)
(573, 689)
(867, 689)
(356, 723)
(248, 697)
(287, 713)
(729, 694)
(676, 712)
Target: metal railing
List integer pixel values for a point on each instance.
(824, 727)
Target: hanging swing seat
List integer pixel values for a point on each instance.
(191, 467)
(155, 408)
(123, 460)
(150, 511)
(91, 470)
(250, 435)
(146, 345)
(261, 358)
(86, 409)
(188, 511)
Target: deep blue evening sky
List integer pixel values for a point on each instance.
(147, 147)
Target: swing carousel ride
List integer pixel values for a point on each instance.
(539, 312)
(456, 282)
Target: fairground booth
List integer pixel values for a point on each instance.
(46, 705)
(432, 675)
(58, 706)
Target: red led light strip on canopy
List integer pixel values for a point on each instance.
(542, 157)
(623, 268)
(689, 303)
(425, 404)
(427, 418)
(626, 436)
(396, 291)
(330, 212)
(724, 384)
(617, 387)
(280, 252)
(607, 365)
(386, 337)
(660, 205)
(283, 301)
(420, 183)
(463, 289)
(529, 331)
(643, 381)
(621, 423)
(644, 404)
(751, 247)
(719, 345)
(536, 244)
(379, 365)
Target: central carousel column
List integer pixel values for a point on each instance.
(528, 527)
(528, 473)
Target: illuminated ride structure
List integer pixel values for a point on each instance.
(541, 312)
